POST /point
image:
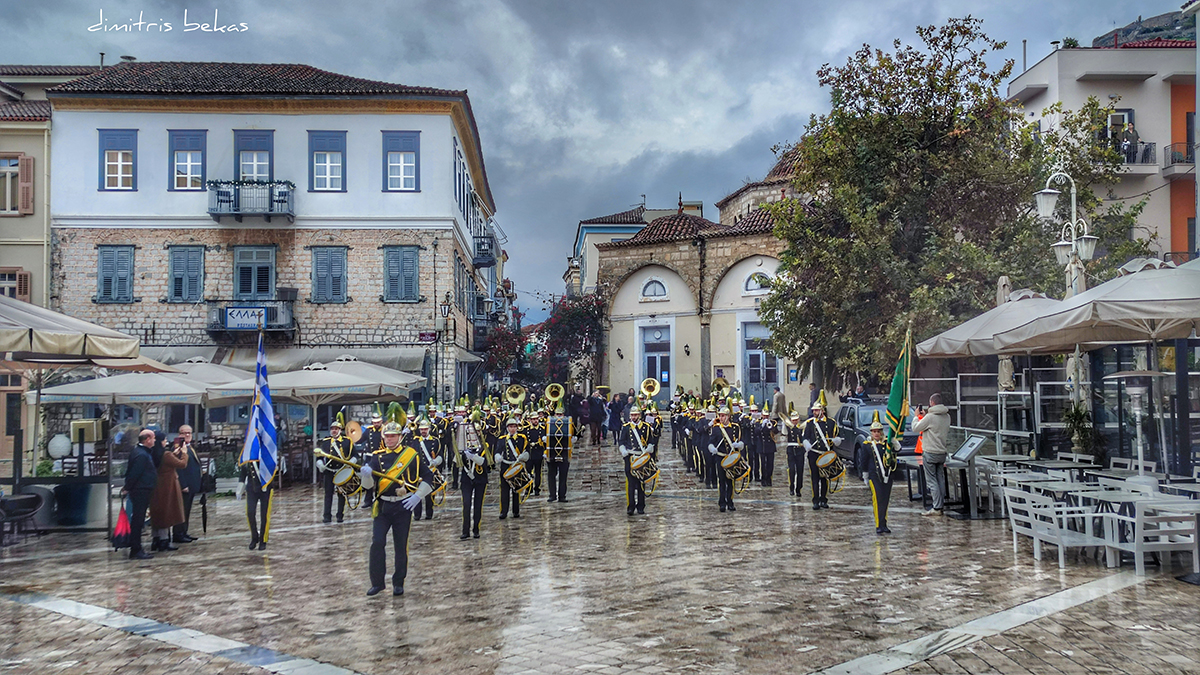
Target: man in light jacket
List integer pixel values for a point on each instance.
(934, 429)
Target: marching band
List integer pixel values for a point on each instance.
(397, 465)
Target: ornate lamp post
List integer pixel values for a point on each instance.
(444, 309)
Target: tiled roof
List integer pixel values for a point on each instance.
(758, 221)
(251, 79)
(782, 172)
(675, 227)
(1157, 43)
(25, 111)
(47, 71)
(630, 217)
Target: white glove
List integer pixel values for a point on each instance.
(650, 448)
(837, 442)
(437, 461)
(478, 459)
(624, 451)
(240, 491)
(808, 445)
(414, 500)
(523, 457)
(712, 449)
(689, 432)
(320, 465)
(738, 445)
(366, 477)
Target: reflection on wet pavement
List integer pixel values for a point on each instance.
(774, 587)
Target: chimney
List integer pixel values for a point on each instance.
(681, 203)
(101, 60)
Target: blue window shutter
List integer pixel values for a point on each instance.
(409, 267)
(123, 286)
(321, 280)
(337, 274)
(118, 139)
(187, 140)
(393, 284)
(195, 274)
(402, 141)
(187, 273)
(326, 141)
(107, 273)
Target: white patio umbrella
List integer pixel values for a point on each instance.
(350, 365)
(140, 390)
(974, 337)
(212, 373)
(29, 330)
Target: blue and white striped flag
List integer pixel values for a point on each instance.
(262, 443)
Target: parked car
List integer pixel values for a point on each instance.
(854, 424)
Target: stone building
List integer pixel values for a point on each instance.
(197, 201)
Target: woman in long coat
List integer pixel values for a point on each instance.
(166, 504)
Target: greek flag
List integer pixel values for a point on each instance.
(262, 446)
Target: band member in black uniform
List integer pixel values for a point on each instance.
(766, 446)
(431, 451)
(339, 446)
(707, 427)
(883, 464)
(514, 449)
(795, 453)
(477, 465)
(537, 449)
(632, 443)
(820, 435)
(656, 426)
(405, 482)
(725, 438)
(559, 442)
(746, 420)
(370, 441)
(258, 504)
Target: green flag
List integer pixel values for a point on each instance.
(897, 407)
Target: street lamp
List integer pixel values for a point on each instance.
(1074, 247)
(445, 306)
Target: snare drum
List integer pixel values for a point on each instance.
(518, 477)
(735, 465)
(347, 482)
(829, 465)
(643, 467)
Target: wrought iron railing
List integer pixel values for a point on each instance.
(1139, 153)
(233, 315)
(1179, 153)
(251, 198)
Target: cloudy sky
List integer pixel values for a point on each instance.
(583, 107)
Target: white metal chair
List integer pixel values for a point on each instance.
(1118, 463)
(1151, 529)
(1048, 521)
(1150, 467)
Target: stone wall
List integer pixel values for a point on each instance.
(737, 207)
(364, 320)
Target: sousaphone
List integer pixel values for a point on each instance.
(650, 387)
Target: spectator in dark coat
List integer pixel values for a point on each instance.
(189, 483)
(140, 479)
(615, 407)
(574, 410)
(166, 504)
(596, 415)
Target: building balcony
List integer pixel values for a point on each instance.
(1141, 160)
(230, 320)
(485, 251)
(1179, 160)
(251, 198)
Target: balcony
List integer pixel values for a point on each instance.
(230, 320)
(485, 251)
(251, 198)
(1141, 160)
(1178, 161)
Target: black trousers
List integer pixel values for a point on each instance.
(427, 509)
(881, 495)
(257, 503)
(472, 500)
(327, 479)
(795, 459)
(766, 465)
(535, 467)
(711, 468)
(635, 495)
(507, 494)
(556, 478)
(181, 530)
(820, 485)
(137, 518)
(752, 457)
(724, 489)
(395, 518)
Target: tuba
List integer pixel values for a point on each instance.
(515, 395)
(650, 387)
(721, 387)
(555, 392)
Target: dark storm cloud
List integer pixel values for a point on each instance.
(582, 106)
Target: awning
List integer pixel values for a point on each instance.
(409, 359)
(28, 328)
(464, 356)
(179, 354)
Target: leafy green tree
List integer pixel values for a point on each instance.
(574, 332)
(918, 194)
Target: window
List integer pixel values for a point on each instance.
(15, 282)
(16, 184)
(401, 161)
(254, 149)
(328, 167)
(400, 265)
(254, 272)
(118, 159)
(654, 289)
(757, 282)
(187, 273)
(115, 274)
(329, 274)
(187, 159)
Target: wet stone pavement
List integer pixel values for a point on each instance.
(583, 588)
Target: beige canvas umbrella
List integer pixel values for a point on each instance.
(974, 337)
(28, 331)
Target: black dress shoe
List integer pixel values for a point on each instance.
(629, 511)
(476, 535)
(516, 515)
(429, 517)
(253, 544)
(397, 590)
(189, 538)
(327, 519)
(153, 544)
(816, 507)
(732, 507)
(537, 493)
(722, 508)
(262, 545)
(165, 545)
(562, 501)
(180, 540)
(885, 530)
(552, 499)
(465, 536)
(641, 512)
(341, 518)
(141, 555)
(374, 590)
